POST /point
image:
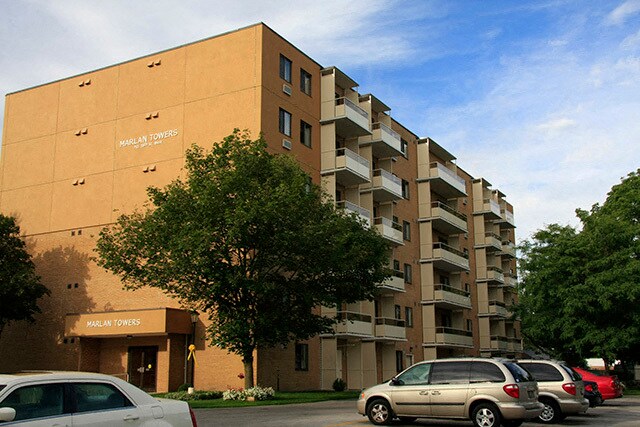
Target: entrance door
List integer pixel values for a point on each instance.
(142, 367)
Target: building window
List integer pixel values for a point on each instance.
(396, 265)
(406, 230)
(408, 316)
(407, 273)
(404, 146)
(302, 357)
(405, 189)
(305, 133)
(285, 122)
(469, 325)
(398, 312)
(285, 68)
(305, 82)
(399, 361)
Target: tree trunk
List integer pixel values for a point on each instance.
(248, 371)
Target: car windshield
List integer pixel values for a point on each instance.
(573, 374)
(519, 373)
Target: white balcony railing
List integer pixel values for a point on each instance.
(389, 229)
(386, 186)
(364, 214)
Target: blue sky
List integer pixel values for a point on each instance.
(541, 98)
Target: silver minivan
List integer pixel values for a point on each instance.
(490, 392)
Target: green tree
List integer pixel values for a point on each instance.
(580, 291)
(20, 287)
(248, 239)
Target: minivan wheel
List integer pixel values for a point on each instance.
(551, 413)
(379, 412)
(486, 415)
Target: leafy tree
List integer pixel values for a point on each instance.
(248, 239)
(20, 287)
(580, 291)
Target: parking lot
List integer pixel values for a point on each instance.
(624, 412)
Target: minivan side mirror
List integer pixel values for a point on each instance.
(395, 381)
(7, 414)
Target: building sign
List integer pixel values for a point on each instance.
(148, 140)
(154, 321)
(113, 323)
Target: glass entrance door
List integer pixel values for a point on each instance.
(142, 367)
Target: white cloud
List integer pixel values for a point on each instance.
(620, 14)
(556, 124)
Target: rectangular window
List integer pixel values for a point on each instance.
(406, 230)
(405, 189)
(404, 146)
(305, 82)
(407, 273)
(302, 357)
(305, 133)
(408, 316)
(398, 312)
(285, 68)
(285, 122)
(469, 325)
(399, 361)
(396, 265)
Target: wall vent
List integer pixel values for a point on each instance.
(286, 144)
(286, 89)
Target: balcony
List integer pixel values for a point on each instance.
(350, 120)
(450, 298)
(446, 219)
(491, 274)
(510, 280)
(499, 342)
(449, 337)
(490, 241)
(363, 214)
(353, 324)
(385, 142)
(386, 186)
(444, 181)
(498, 308)
(489, 208)
(350, 168)
(389, 329)
(508, 249)
(389, 229)
(394, 283)
(514, 344)
(447, 258)
(506, 219)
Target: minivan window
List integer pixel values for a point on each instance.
(417, 374)
(544, 372)
(483, 372)
(36, 401)
(450, 373)
(572, 374)
(520, 373)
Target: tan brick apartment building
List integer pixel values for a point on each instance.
(78, 152)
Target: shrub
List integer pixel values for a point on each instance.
(184, 387)
(234, 394)
(198, 395)
(260, 393)
(339, 384)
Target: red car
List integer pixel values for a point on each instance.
(609, 385)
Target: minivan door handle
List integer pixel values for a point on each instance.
(435, 393)
(131, 417)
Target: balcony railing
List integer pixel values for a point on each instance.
(506, 219)
(514, 344)
(446, 219)
(448, 297)
(354, 324)
(385, 142)
(498, 308)
(395, 282)
(499, 342)
(448, 258)
(442, 336)
(491, 241)
(350, 167)
(489, 208)
(363, 213)
(386, 186)
(444, 181)
(508, 249)
(390, 328)
(349, 118)
(495, 274)
(389, 229)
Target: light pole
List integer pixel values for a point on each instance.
(192, 346)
